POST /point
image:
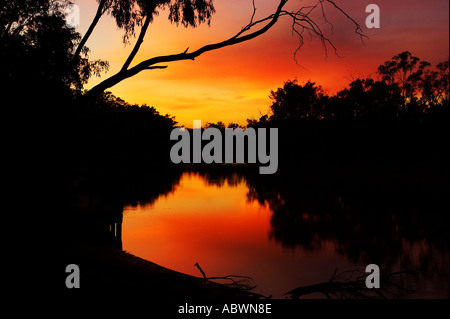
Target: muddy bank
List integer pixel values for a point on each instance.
(108, 269)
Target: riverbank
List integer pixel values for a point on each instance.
(107, 269)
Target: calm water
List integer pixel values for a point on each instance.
(283, 240)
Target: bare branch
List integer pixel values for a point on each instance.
(358, 29)
(302, 22)
(239, 38)
(254, 12)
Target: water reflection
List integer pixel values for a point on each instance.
(366, 228)
(395, 231)
(238, 223)
(97, 217)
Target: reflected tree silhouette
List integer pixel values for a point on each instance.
(406, 230)
(350, 284)
(221, 175)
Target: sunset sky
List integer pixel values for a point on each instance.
(234, 83)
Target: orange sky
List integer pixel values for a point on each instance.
(234, 83)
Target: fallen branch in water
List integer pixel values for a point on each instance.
(352, 284)
(242, 283)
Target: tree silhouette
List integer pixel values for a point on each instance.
(294, 101)
(405, 70)
(132, 13)
(219, 125)
(37, 48)
(435, 85)
(16, 16)
(367, 98)
(234, 125)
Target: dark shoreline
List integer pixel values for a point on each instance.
(105, 268)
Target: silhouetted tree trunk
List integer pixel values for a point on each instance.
(138, 44)
(98, 15)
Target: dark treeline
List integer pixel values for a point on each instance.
(406, 88)
(377, 135)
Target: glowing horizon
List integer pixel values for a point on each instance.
(234, 83)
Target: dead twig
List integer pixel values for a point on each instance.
(201, 270)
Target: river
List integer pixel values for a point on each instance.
(230, 226)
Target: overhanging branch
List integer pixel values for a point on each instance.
(239, 38)
(147, 64)
(301, 23)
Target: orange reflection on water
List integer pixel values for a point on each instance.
(209, 219)
(197, 224)
(226, 234)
